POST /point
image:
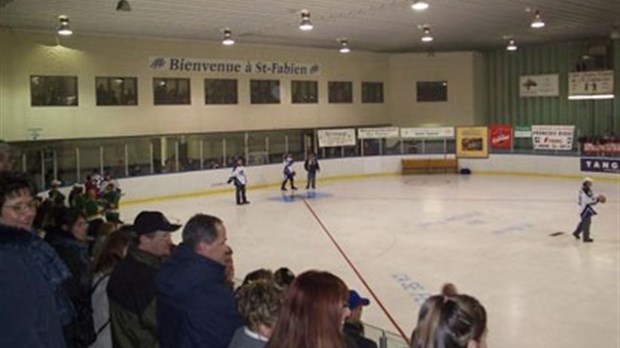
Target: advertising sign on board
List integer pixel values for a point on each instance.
(472, 142)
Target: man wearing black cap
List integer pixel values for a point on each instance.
(131, 289)
(353, 326)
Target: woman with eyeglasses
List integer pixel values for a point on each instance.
(313, 313)
(20, 245)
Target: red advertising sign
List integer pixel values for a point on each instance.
(602, 148)
(501, 136)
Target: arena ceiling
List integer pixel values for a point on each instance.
(369, 25)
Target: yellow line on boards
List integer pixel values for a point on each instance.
(546, 175)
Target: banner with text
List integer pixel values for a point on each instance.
(523, 131)
(472, 142)
(222, 66)
(611, 148)
(428, 133)
(501, 136)
(591, 83)
(539, 85)
(551, 137)
(377, 133)
(337, 137)
(600, 164)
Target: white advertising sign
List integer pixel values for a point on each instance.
(591, 83)
(427, 133)
(336, 137)
(219, 66)
(539, 85)
(377, 133)
(552, 137)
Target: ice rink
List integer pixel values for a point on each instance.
(404, 236)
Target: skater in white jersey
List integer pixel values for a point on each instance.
(239, 179)
(586, 202)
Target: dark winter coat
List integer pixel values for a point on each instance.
(195, 306)
(74, 253)
(131, 295)
(355, 332)
(29, 316)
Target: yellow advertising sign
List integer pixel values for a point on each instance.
(472, 142)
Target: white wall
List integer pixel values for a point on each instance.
(457, 68)
(213, 180)
(34, 53)
(26, 53)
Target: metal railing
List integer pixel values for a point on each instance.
(384, 338)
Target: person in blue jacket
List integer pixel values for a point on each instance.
(33, 303)
(29, 315)
(195, 305)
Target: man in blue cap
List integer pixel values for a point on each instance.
(353, 326)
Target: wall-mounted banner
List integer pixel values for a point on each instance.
(523, 131)
(501, 136)
(539, 85)
(337, 137)
(609, 148)
(222, 66)
(428, 133)
(377, 133)
(591, 83)
(600, 164)
(551, 137)
(472, 142)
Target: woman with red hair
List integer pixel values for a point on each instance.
(313, 313)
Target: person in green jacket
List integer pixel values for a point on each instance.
(111, 198)
(55, 195)
(132, 285)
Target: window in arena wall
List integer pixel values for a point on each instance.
(221, 91)
(432, 91)
(340, 91)
(53, 90)
(372, 92)
(171, 91)
(305, 92)
(265, 91)
(116, 91)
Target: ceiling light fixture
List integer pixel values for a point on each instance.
(512, 46)
(64, 29)
(344, 45)
(537, 23)
(588, 97)
(228, 40)
(419, 5)
(305, 24)
(427, 35)
(123, 5)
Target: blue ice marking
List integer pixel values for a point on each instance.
(467, 217)
(296, 196)
(516, 228)
(412, 287)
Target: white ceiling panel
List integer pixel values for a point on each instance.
(370, 25)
